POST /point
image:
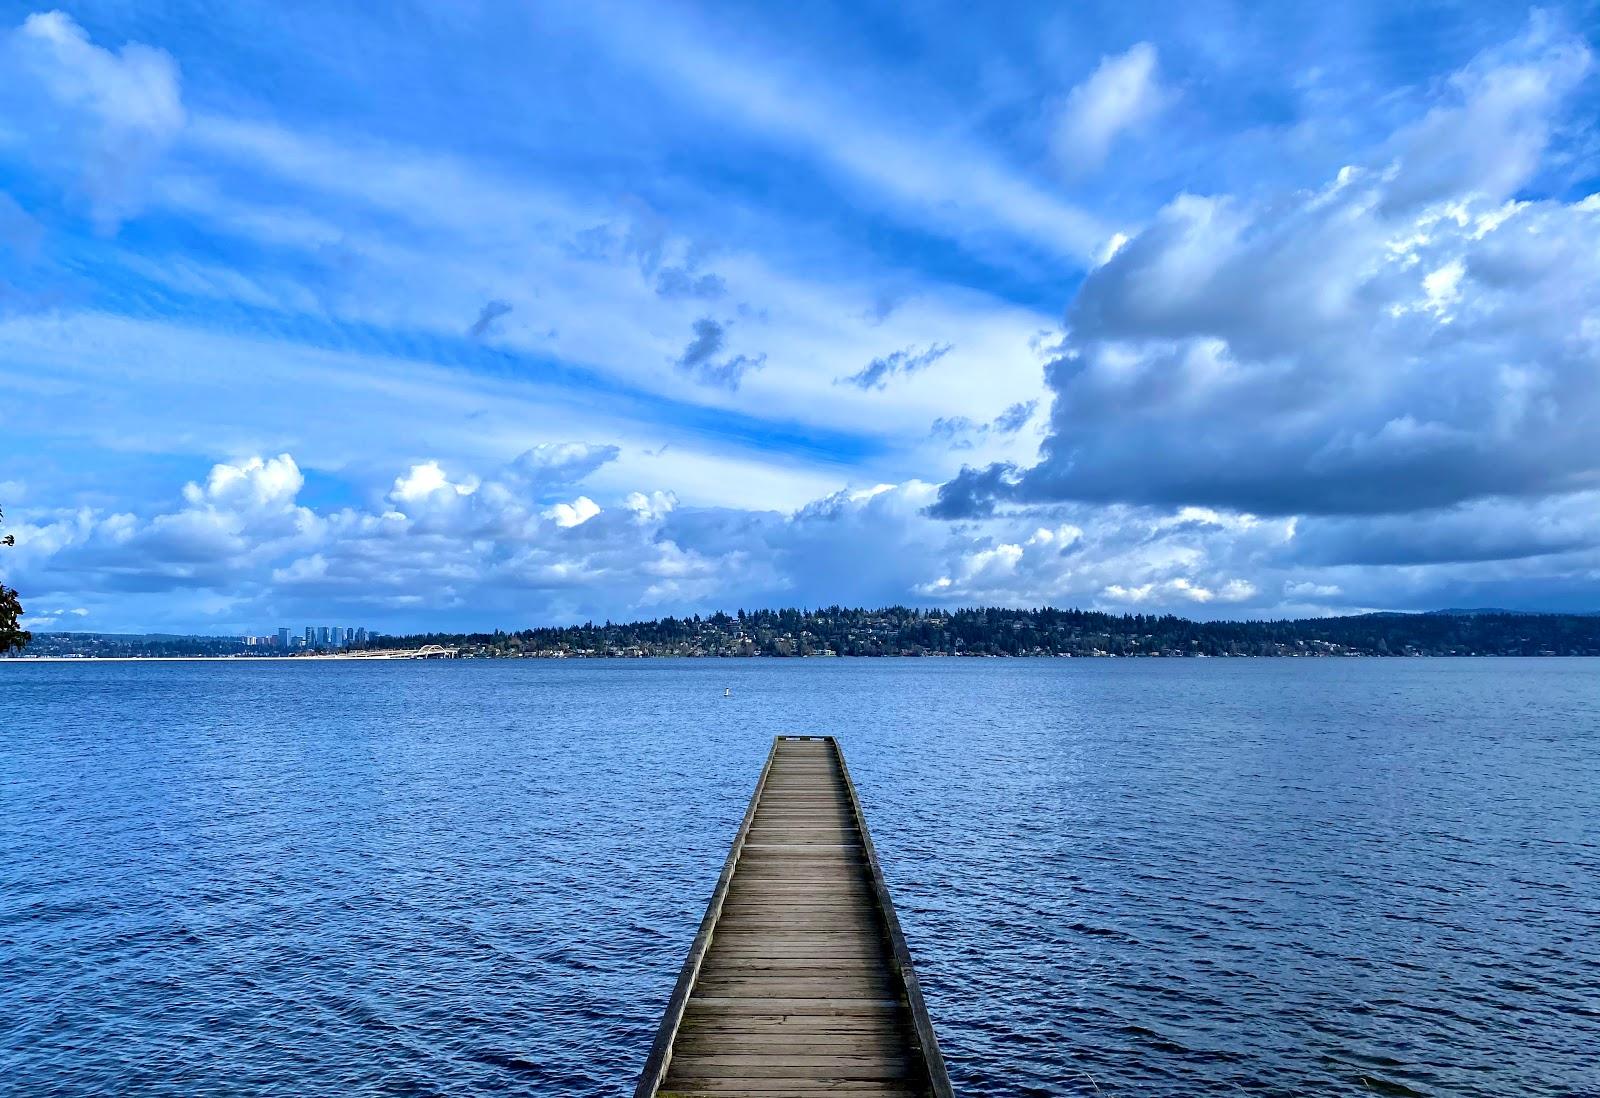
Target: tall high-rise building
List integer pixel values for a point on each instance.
(311, 636)
(283, 638)
(336, 636)
(361, 635)
(322, 635)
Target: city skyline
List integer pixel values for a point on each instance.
(283, 637)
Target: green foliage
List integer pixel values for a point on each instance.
(995, 631)
(12, 635)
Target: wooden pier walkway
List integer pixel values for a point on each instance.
(799, 982)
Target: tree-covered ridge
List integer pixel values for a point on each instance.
(903, 631)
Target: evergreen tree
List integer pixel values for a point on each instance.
(12, 635)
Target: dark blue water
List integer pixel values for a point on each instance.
(1117, 877)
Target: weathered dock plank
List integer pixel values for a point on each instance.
(799, 982)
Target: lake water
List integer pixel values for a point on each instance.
(1116, 877)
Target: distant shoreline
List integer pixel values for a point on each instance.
(394, 657)
(900, 631)
(202, 659)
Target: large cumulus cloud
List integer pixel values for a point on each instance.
(1420, 332)
(529, 542)
(523, 539)
(534, 541)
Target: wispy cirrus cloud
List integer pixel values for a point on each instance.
(1124, 93)
(96, 118)
(936, 179)
(903, 363)
(962, 432)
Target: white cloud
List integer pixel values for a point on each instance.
(99, 118)
(338, 408)
(324, 207)
(650, 508)
(555, 463)
(254, 484)
(1442, 287)
(576, 513)
(242, 549)
(474, 228)
(1490, 140)
(304, 570)
(943, 181)
(1420, 332)
(1377, 345)
(1304, 589)
(1236, 590)
(1180, 589)
(1124, 93)
(423, 481)
(65, 617)
(1117, 242)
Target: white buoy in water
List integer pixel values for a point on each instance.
(727, 693)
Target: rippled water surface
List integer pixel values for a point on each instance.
(1117, 877)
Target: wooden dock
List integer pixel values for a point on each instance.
(799, 982)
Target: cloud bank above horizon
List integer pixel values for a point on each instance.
(358, 317)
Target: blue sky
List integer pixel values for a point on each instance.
(475, 315)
